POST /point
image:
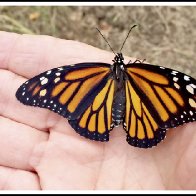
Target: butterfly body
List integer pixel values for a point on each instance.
(95, 97)
(118, 106)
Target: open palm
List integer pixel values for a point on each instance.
(40, 150)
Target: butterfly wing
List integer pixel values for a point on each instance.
(73, 91)
(157, 98)
(96, 122)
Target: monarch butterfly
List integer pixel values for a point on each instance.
(96, 97)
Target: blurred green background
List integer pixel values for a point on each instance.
(165, 36)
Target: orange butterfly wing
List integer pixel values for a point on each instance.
(83, 93)
(96, 122)
(157, 98)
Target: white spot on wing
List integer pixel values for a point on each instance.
(187, 78)
(48, 72)
(56, 80)
(192, 103)
(58, 74)
(191, 113)
(43, 92)
(174, 72)
(162, 67)
(189, 89)
(176, 85)
(175, 79)
(42, 78)
(44, 81)
(193, 85)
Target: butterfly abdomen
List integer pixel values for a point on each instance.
(118, 107)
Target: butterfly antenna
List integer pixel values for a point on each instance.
(106, 41)
(127, 37)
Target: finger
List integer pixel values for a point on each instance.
(17, 141)
(7, 41)
(15, 179)
(29, 55)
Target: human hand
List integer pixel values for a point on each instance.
(40, 150)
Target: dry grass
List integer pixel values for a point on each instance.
(166, 35)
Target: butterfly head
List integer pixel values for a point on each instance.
(118, 66)
(119, 59)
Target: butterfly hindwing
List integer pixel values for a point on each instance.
(67, 90)
(96, 122)
(157, 98)
(142, 129)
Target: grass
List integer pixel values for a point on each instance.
(165, 35)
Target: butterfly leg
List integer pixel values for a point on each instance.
(137, 61)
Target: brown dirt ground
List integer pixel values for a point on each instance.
(166, 35)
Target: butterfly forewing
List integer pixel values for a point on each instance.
(157, 98)
(67, 90)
